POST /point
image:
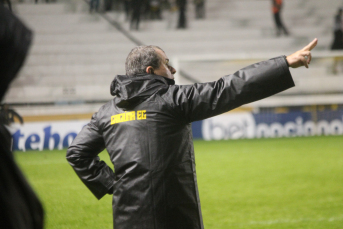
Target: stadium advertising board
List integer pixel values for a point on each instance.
(58, 135)
(270, 125)
(45, 135)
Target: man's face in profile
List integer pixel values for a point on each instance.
(164, 69)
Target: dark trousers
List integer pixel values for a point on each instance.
(127, 9)
(135, 19)
(136, 14)
(338, 40)
(279, 25)
(94, 4)
(200, 10)
(182, 18)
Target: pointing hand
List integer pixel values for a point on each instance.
(302, 57)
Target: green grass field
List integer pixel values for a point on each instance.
(261, 183)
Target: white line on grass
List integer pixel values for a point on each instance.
(281, 221)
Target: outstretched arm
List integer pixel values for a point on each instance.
(252, 83)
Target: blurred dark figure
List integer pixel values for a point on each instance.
(127, 7)
(337, 43)
(155, 9)
(277, 6)
(146, 9)
(172, 14)
(94, 5)
(182, 23)
(36, 1)
(108, 5)
(136, 6)
(338, 31)
(19, 206)
(2, 2)
(199, 9)
(7, 115)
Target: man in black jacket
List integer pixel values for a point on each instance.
(146, 130)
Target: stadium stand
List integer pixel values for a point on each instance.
(76, 55)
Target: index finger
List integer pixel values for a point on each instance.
(311, 45)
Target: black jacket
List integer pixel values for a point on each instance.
(146, 130)
(19, 206)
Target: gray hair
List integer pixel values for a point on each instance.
(140, 58)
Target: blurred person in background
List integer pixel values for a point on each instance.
(36, 1)
(337, 43)
(7, 116)
(94, 5)
(182, 5)
(136, 7)
(172, 14)
(8, 2)
(127, 9)
(146, 9)
(19, 206)
(280, 27)
(199, 9)
(146, 129)
(155, 9)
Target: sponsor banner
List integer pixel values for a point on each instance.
(45, 135)
(59, 135)
(269, 125)
(229, 126)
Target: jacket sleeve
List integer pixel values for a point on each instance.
(82, 155)
(203, 100)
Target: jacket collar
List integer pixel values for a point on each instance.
(131, 90)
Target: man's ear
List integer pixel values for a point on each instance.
(149, 70)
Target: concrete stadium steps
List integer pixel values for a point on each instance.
(74, 28)
(303, 32)
(213, 25)
(207, 25)
(59, 19)
(324, 4)
(251, 13)
(101, 37)
(325, 41)
(41, 9)
(71, 80)
(315, 85)
(266, 4)
(75, 59)
(75, 55)
(201, 47)
(79, 70)
(59, 93)
(319, 85)
(198, 35)
(108, 48)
